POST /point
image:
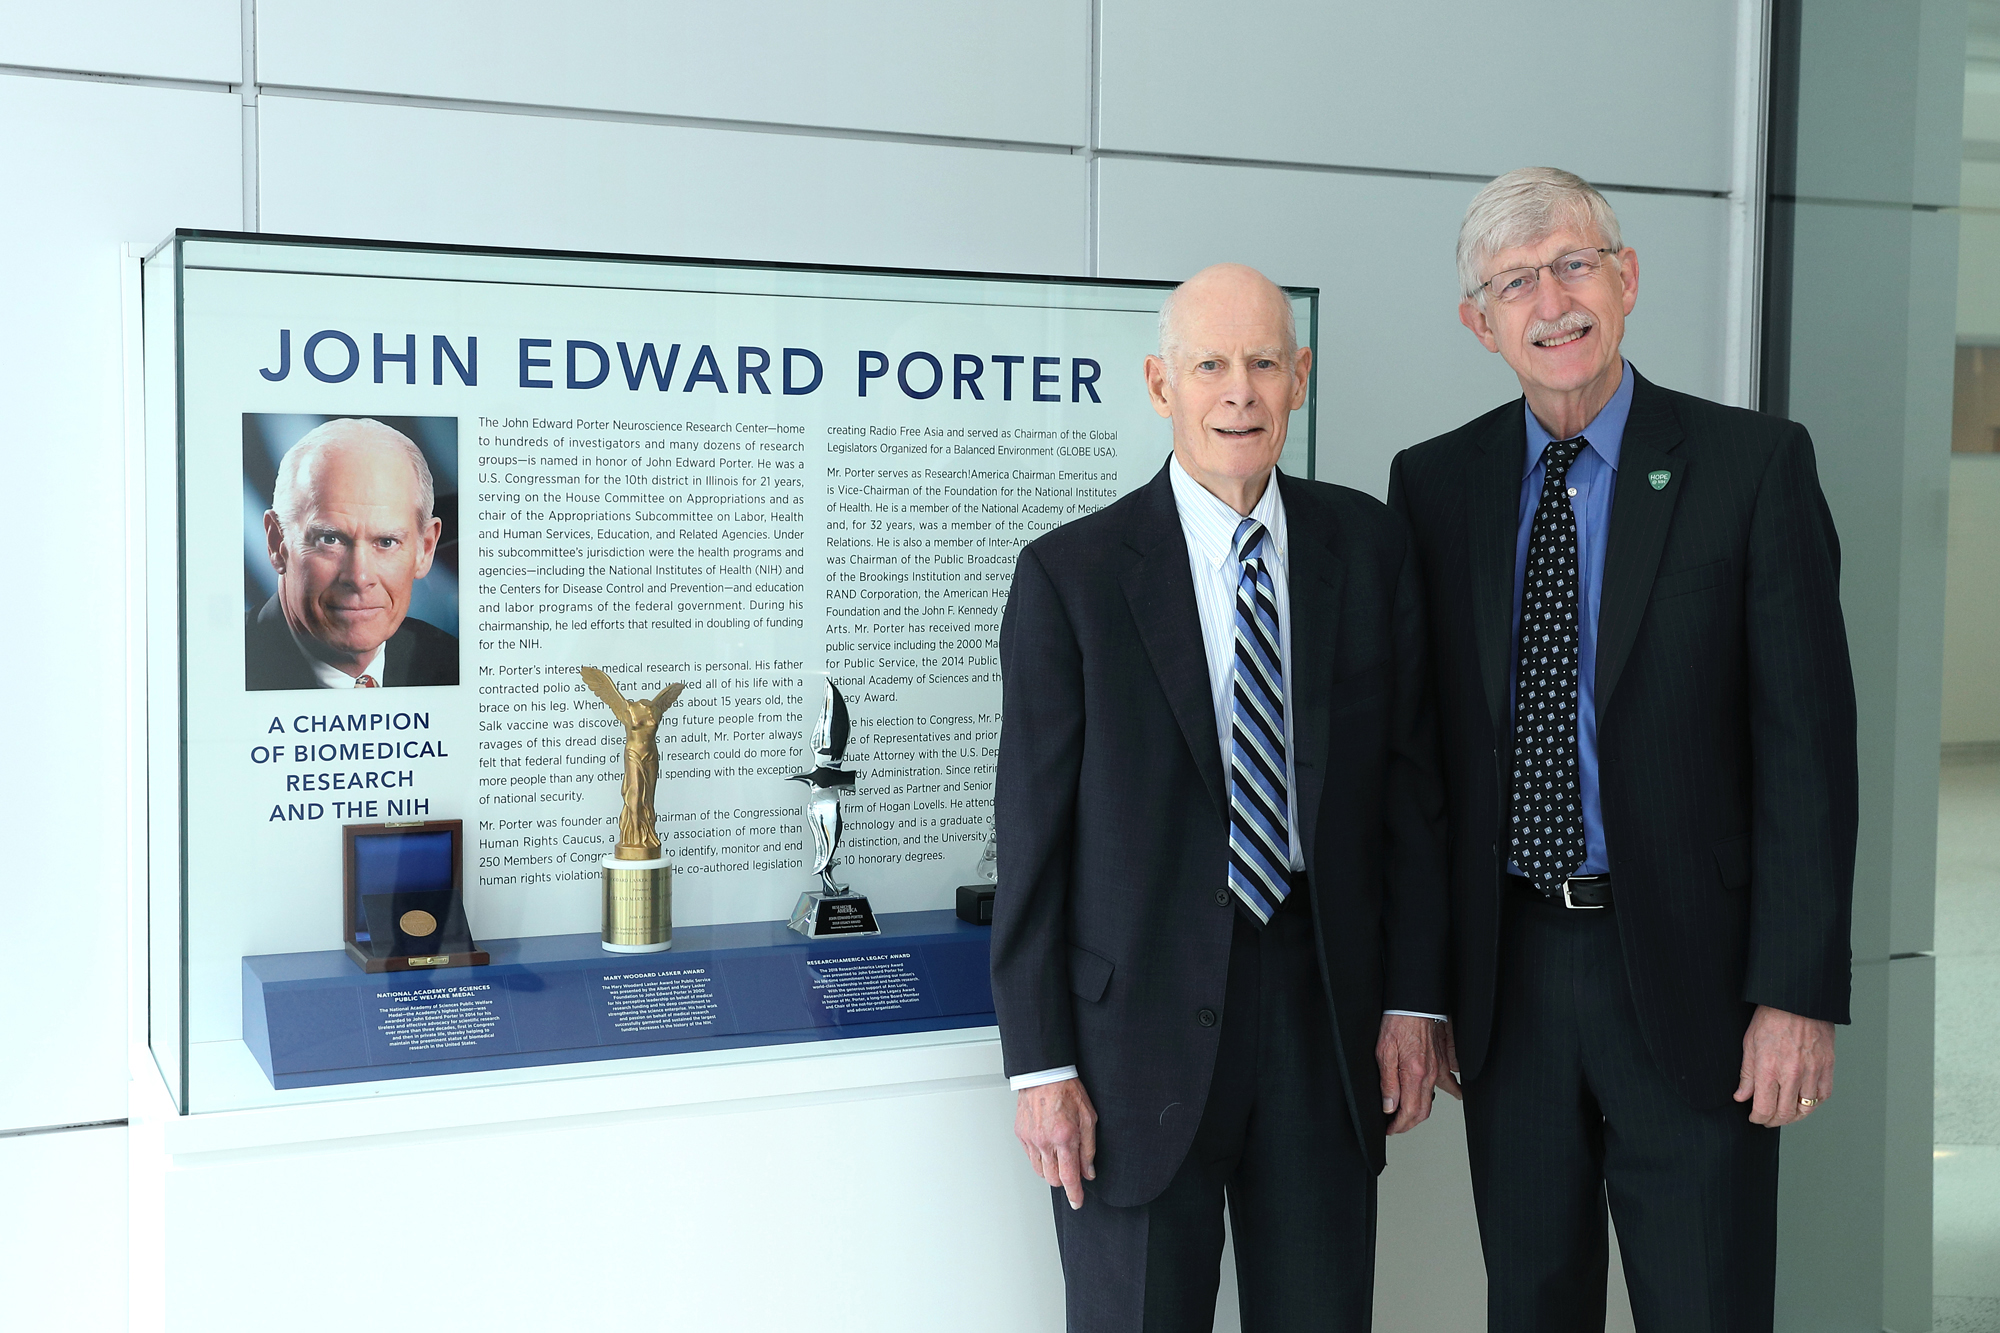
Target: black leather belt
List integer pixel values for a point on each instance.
(1579, 892)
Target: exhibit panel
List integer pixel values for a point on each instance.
(536, 637)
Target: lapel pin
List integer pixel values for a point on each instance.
(1660, 479)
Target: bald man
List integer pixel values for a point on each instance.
(350, 531)
(1218, 936)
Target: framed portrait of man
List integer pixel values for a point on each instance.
(350, 551)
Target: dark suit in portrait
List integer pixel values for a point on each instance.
(418, 653)
(1602, 1048)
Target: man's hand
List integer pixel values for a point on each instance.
(1408, 1062)
(1787, 1060)
(1057, 1124)
(1446, 1047)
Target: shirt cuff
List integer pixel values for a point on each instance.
(1411, 1013)
(1041, 1076)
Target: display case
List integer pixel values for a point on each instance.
(398, 496)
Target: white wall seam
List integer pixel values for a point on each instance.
(250, 149)
(1092, 84)
(1743, 298)
(113, 77)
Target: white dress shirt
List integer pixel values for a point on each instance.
(1209, 525)
(331, 677)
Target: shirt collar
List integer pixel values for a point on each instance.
(331, 677)
(1211, 525)
(1606, 431)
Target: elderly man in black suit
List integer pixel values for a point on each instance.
(349, 532)
(1219, 934)
(1648, 727)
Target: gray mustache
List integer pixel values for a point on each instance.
(1555, 328)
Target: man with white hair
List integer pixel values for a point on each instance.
(349, 531)
(1649, 748)
(1218, 933)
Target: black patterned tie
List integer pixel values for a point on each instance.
(1547, 831)
(1260, 838)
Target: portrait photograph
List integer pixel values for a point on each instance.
(350, 551)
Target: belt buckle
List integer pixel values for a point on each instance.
(1575, 906)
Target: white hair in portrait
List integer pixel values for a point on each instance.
(1521, 208)
(289, 499)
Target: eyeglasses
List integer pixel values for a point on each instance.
(1515, 284)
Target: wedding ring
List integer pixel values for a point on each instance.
(1809, 1102)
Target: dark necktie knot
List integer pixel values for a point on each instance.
(1249, 533)
(1559, 456)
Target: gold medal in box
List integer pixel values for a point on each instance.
(638, 881)
(404, 896)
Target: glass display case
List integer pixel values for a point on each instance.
(398, 497)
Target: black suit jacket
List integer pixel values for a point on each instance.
(1109, 941)
(1725, 718)
(419, 654)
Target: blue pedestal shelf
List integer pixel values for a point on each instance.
(316, 1018)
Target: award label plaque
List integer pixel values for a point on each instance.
(832, 909)
(975, 904)
(404, 901)
(975, 901)
(638, 881)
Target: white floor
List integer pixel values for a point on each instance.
(1966, 1213)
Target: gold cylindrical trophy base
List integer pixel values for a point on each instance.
(638, 906)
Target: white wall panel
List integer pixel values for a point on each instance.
(1396, 366)
(1014, 71)
(109, 164)
(494, 179)
(1971, 630)
(1979, 270)
(912, 1210)
(1882, 99)
(1675, 335)
(191, 39)
(62, 1231)
(1628, 91)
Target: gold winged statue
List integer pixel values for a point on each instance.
(637, 839)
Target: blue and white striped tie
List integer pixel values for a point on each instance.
(1260, 836)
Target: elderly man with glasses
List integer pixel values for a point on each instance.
(1648, 725)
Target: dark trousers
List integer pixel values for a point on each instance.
(1276, 1142)
(1570, 1110)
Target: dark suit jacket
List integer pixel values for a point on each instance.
(419, 654)
(1725, 718)
(1109, 941)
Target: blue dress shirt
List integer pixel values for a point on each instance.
(1592, 478)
